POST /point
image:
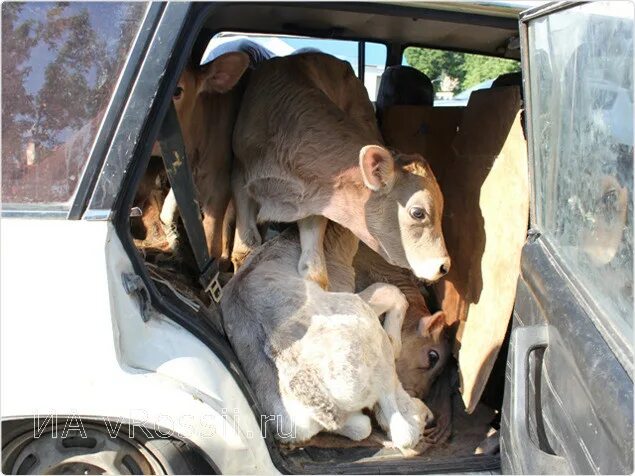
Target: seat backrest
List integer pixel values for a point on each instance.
(403, 85)
(424, 130)
(509, 79)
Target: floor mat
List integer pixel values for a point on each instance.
(455, 436)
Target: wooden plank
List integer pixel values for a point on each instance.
(483, 173)
(426, 130)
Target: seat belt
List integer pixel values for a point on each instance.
(180, 178)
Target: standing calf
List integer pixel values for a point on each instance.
(308, 148)
(206, 100)
(206, 106)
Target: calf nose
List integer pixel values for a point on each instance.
(444, 268)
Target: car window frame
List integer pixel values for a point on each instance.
(620, 345)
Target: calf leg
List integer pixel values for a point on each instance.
(402, 433)
(168, 217)
(229, 228)
(415, 413)
(357, 427)
(247, 237)
(214, 208)
(312, 265)
(386, 298)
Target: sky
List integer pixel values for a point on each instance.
(342, 49)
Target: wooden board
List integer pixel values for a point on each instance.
(484, 178)
(426, 130)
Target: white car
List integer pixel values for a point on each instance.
(106, 370)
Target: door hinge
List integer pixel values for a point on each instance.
(133, 284)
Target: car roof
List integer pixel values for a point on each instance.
(489, 28)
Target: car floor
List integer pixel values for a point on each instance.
(450, 446)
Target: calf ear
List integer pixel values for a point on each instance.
(416, 164)
(431, 326)
(222, 74)
(378, 168)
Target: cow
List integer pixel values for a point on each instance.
(316, 358)
(308, 149)
(206, 100)
(422, 348)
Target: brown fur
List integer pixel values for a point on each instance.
(206, 106)
(207, 111)
(310, 146)
(413, 365)
(146, 229)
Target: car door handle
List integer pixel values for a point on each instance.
(531, 459)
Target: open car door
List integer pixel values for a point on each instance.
(569, 382)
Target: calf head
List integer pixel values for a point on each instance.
(200, 99)
(425, 352)
(404, 211)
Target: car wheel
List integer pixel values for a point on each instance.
(95, 452)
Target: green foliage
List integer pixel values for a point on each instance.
(480, 68)
(469, 69)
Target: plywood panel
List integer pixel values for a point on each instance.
(484, 178)
(426, 130)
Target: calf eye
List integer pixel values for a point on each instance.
(178, 92)
(417, 213)
(433, 358)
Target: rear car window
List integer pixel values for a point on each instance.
(582, 127)
(456, 75)
(60, 65)
(347, 50)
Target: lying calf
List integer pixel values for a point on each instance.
(421, 347)
(316, 359)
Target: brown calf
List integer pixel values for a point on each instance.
(308, 148)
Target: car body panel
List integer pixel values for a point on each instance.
(568, 403)
(75, 343)
(93, 354)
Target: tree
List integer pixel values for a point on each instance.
(469, 69)
(436, 63)
(18, 39)
(481, 68)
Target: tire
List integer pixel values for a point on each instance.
(94, 452)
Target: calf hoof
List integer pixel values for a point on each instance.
(238, 258)
(403, 434)
(422, 414)
(357, 427)
(314, 270)
(225, 264)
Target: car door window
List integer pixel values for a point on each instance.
(60, 65)
(582, 135)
